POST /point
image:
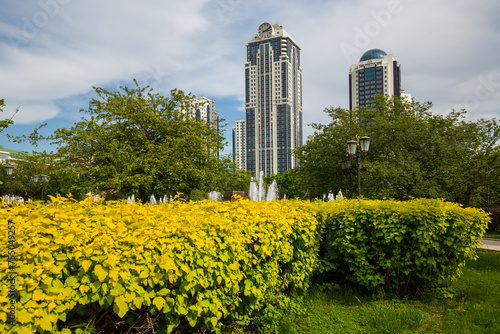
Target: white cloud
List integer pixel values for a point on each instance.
(49, 54)
(31, 112)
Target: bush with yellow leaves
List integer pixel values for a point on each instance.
(205, 263)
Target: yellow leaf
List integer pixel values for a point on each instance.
(138, 302)
(68, 238)
(23, 316)
(111, 225)
(100, 272)
(46, 324)
(38, 295)
(158, 302)
(52, 306)
(83, 288)
(3, 316)
(86, 265)
(120, 307)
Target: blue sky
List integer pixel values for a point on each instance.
(52, 52)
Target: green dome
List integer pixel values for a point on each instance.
(372, 54)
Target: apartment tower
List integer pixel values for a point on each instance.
(375, 72)
(239, 143)
(273, 100)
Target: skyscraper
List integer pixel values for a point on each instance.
(239, 143)
(273, 100)
(376, 71)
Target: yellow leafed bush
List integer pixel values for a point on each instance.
(204, 263)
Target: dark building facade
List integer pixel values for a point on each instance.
(273, 101)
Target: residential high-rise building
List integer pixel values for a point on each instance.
(239, 143)
(202, 108)
(273, 100)
(375, 72)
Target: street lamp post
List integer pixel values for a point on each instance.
(9, 169)
(44, 177)
(346, 167)
(357, 149)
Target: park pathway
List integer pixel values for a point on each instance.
(490, 244)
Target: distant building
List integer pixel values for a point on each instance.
(406, 96)
(203, 108)
(9, 155)
(273, 100)
(239, 143)
(375, 72)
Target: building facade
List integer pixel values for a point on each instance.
(376, 72)
(203, 108)
(239, 143)
(273, 100)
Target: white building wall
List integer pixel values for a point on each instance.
(239, 144)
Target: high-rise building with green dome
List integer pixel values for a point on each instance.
(375, 72)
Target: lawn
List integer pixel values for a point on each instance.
(471, 305)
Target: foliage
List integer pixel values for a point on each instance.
(398, 247)
(207, 265)
(289, 184)
(5, 122)
(134, 141)
(226, 176)
(414, 154)
(21, 182)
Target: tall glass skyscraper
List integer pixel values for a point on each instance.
(375, 72)
(273, 100)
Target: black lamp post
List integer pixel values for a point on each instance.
(44, 177)
(346, 167)
(357, 149)
(9, 169)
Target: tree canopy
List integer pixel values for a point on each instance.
(134, 141)
(413, 153)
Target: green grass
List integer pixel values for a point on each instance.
(492, 236)
(474, 308)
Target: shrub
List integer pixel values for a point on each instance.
(206, 264)
(494, 211)
(401, 247)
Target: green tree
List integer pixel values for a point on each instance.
(5, 122)
(226, 176)
(21, 182)
(413, 153)
(289, 184)
(134, 141)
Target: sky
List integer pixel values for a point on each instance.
(53, 52)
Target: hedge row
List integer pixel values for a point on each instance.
(401, 247)
(211, 264)
(208, 263)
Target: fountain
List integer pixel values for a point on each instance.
(331, 196)
(152, 199)
(257, 191)
(215, 196)
(272, 191)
